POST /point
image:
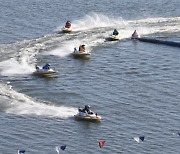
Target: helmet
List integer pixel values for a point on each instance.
(48, 64)
(87, 106)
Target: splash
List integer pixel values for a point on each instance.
(66, 48)
(156, 20)
(20, 104)
(23, 62)
(13, 67)
(95, 20)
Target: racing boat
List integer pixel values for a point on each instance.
(88, 116)
(81, 53)
(45, 70)
(113, 38)
(78, 54)
(41, 71)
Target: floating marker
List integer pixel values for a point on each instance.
(138, 139)
(63, 147)
(101, 144)
(21, 151)
(178, 133)
(58, 148)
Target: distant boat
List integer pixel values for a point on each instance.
(81, 54)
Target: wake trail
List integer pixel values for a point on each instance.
(13, 102)
(155, 25)
(23, 59)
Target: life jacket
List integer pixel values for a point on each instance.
(68, 25)
(115, 32)
(81, 48)
(46, 67)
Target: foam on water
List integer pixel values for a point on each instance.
(156, 25)
(95, 20)
(157, 20)
(23, 62)
(20, 104)
(13, 67)
(65, 49)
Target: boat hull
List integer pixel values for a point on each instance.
(45, 72)
(113, 38)
(66, 30)
(87, 118)
(81, 55)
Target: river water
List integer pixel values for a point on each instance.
(134, 86)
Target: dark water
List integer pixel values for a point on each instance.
(134, 86)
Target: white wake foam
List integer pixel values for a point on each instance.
(21, 104)
(24, 58)
(13, 67)
(155, 25)
(95, 20)
(65, 49)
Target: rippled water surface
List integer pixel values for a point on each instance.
(133, 85)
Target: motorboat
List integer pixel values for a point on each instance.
(41, 71)
(113, 38)
(88, 116)
(81, 53)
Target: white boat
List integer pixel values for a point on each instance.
(87, 116)
(66, 30)
(81, 54)
(113, 38)
(41, 71)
